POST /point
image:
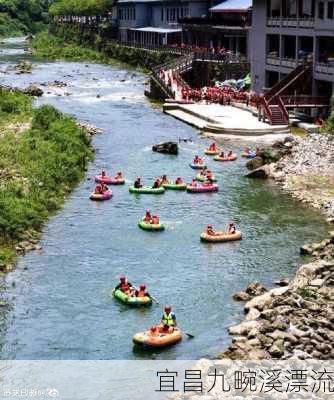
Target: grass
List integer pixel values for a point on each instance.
(53, 48)
(38, 168)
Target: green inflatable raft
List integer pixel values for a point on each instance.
(147, 190)
(150, 227)
(175, 186)
(202, 178)
(131, 301)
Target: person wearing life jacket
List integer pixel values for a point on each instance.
(142, 291)
(164, 179)
(138, 184)
(247, 150)
(119, 176)
(104, 188)
(156, 184)
(124, 285)
(213, 146)
(193, 183)
(178, 181)
(103, 173)
(155, 220)
(230, 153)
(232, 228)
(209, 175)
(168, 319)
(222, 154)
(148, 216)
(98, 189)
(196, 160)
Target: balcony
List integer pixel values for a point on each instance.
(325, 68)
(281, 62)
(273, 60)
(305, 23)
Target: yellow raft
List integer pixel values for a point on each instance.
(221, 237)
(157, 340)
(211, 152)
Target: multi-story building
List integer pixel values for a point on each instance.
(155, 22)
(287, 33)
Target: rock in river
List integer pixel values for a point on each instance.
(33, 90)
(166, 148)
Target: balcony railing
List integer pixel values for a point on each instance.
(325, 68)
(305, 101)
(282, 62)
(291, 22)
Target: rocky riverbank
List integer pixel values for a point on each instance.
(294, 320)
(303, 167)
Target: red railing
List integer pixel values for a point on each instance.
(283, 109)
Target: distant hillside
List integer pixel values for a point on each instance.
(19, 17)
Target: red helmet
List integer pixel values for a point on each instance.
(142, 287)
(168, 308)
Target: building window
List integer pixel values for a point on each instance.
(162, 14)
(330, 10)
(167, 14)
(321, 10)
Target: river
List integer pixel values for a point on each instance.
(61, 304)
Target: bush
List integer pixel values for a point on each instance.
(44, 163)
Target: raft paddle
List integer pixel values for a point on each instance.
(154, 299)
(190, 336)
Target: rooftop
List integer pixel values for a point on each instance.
(232, 5)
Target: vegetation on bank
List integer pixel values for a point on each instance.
(82, 7)
(19, 17)
(71, 43)
(38, 168)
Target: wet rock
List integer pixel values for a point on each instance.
(255, 289)
(255, 163)
(241, 296)
(24, 67)
(263, 172)
(277, 349)
(166, 148)
(33, 90)
(282, 282)
(244, 328)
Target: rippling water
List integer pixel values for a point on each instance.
(62, 307)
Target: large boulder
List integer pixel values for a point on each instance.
(166, 148)
(33, 90)
(263, 172)
(255, 163)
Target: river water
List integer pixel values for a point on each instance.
(61, 304)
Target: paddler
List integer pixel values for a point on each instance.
(168, 320)
(155, 220)
(230, 153)
(141, 292)
(232, 228)
(119, 176)
(98, 189)
(209, 231)
(138, 184)
(178, 181)
(148, 216)
(164, 180)
(103, 173)
(124, 285)
(156, 184)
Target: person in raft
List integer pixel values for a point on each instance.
(164, 179)
(148, 216)
(138, 184)
(178, 181)
(168, 320)
(213, 147)
(103, 173)
(222, 154)
(232, 229)
(257, 150)
(230, 153)
(193, 183)
(203, 171)
(247, 150)
(209, 175)
(155, 220)
(156, 184)
(98, 189)
(141, 292)
(119, 176)
(209, 231)
(124, 285)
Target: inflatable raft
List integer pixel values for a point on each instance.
(221, 237)
(101, 197)
(211, 152)
(202, 178)
(197, 166)
(147, 190)
(146, 226)
(131, 300)
(157, 340)
(202, 189)
(233, 157)
(108, 180)
(175, 186)
(248, 155)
